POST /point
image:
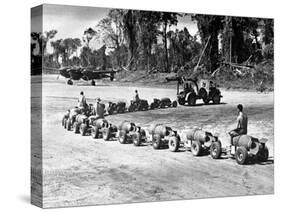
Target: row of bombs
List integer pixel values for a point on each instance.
(141, 105)
(197, 141)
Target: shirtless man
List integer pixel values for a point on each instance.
(242, 124)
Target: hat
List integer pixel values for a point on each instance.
(98, 99)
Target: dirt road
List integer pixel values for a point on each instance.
(80, 170)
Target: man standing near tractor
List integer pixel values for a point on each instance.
(82, 103)
(98, 109)
(242, 126)
(137, 98)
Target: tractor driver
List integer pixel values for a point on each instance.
(98, 109)
(242, 124)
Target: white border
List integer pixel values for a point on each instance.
(15, 106)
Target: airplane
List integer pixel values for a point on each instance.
(87, 74)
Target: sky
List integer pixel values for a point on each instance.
(71, 21)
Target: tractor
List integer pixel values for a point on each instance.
(140, 105)
(163, 103)
(246, 147)
(129, 132)
(161, 135)
(192, 90)
(199, 141)
(71, 118)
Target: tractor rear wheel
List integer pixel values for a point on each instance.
(137, 139)
(241, 155)
(173, 144)
(156, 141)
(191, 99)
(215, 150)
(216, 99)
(196, 148)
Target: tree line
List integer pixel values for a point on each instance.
(143, 40)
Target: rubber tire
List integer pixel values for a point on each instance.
(173, 144)
(196, 148)
(65, 123)
(69, 82)
(137, 139)
(263, 156)
(122, 138)
(83, 129)
(156, 141)
(63, 120)
(95, 132)
(106, 134)
(216, 99)
(68, 124)
(241, 155)
(191, 99)
(215, 150)
(206, 101)
(76, 128)
(181, 101)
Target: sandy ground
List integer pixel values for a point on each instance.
(83, 171)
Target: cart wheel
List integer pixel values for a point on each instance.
(262, 156)
(196, 148)
(156, 141)
(122, 137)
(75, 128)
(95, 132)
(215, 149)
(83, 129)
(174, 144)
(106, 134)
(241, 155)
(137, 139)
(68, 124)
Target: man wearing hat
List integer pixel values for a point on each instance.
(98, 109)
(82, 103)
(242, 124)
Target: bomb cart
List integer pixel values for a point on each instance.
(161, 135)
(129, 132)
